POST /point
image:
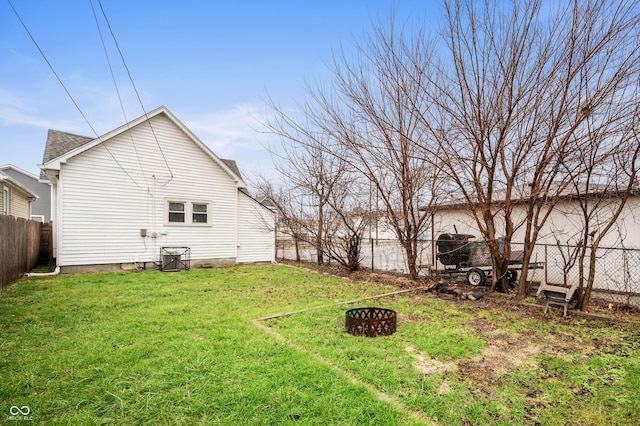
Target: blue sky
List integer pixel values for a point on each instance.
(212, 63)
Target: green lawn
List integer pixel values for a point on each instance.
(182, 348)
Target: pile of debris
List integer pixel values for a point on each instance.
(458, 291)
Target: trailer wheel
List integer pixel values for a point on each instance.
(476, 277)
(512, 278)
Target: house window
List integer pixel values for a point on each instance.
(176, 212)
(199, 213)
(195, 213)
(37, 218)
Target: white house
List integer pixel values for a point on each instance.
(119, 199)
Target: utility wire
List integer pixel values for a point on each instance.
(68, 93)
(136, 90)
(115, 84)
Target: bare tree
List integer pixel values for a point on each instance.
(285, 201)
(310, 171)
(513, 100)
(612, 167)
(373, 116)
(348, 220)
(367, 121)
(331, 214)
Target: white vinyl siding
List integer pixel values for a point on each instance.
(106, 203)
(256, 231)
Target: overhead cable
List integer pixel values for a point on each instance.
(136, 90)
(69, 93)
(115, 84)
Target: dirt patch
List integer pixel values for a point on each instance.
(498, 359)
(409, 317)
(429, 365)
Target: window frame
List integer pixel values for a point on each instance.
(6, 201)
(199, 214)
(189, 213)
(174, 212)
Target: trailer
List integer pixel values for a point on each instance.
(461, 256)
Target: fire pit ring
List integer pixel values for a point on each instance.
(371, 322)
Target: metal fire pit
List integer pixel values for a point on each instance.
(371, 322)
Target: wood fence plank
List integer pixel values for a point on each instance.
(20, 247)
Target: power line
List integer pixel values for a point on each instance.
(115, 84)
(69, 93)
(136, 90)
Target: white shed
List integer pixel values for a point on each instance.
(618, 260)
(118, 199)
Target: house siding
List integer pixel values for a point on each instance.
(18, 203)
(256, 231)
(114, 190)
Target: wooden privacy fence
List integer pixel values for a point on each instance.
(19, 248)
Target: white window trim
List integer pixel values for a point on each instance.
(6, 201)
(188, 213)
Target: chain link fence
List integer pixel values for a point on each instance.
(380, 254)
(617, 270)
(617, 277)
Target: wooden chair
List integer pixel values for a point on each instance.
(557, 295)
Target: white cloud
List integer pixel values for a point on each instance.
(237, 134)
(16, 111)
(230, 131)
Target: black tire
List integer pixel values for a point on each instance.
(476, 277)
(512, 278)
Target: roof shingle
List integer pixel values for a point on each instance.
(59, 143)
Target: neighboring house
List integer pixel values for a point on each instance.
(16, 198)
(118, 199)
(41, 207)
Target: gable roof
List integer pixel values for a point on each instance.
(18, 170)
(59, 143)
(12, 182)
(231, 164)
(62, 146)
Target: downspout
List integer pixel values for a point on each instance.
(43, 274)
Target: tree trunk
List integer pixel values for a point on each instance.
(591, 278)
(319, 235)
(296, 242)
